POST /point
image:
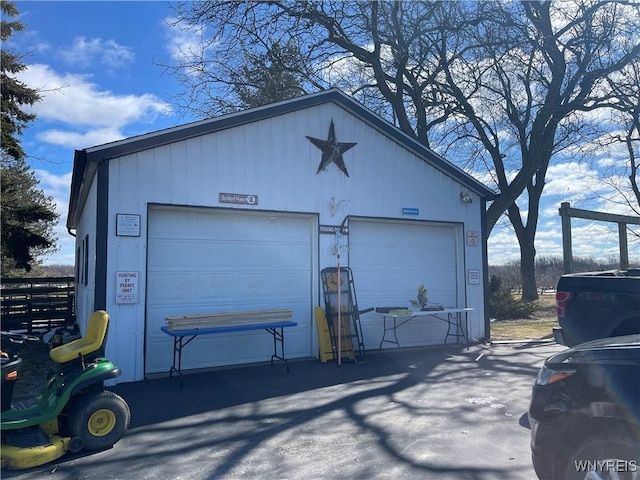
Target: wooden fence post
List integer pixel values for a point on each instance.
(566, 212)
(567, 254)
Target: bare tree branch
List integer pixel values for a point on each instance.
(501, 86)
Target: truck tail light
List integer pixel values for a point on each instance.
(562, 303)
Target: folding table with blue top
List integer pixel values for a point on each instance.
(186, 328)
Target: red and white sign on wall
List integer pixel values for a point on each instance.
(473, 239)
(126, 287)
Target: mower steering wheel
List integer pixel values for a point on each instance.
(19, 338)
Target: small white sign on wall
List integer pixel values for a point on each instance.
(473, 277)
(127, 225)
(126, 287)
(473, 239)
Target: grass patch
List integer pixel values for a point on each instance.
(538, 326)
(523, 329)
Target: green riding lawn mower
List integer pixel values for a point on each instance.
(73, 410)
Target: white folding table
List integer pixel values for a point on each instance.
(456, 319)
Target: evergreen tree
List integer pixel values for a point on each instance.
(14, 92)
(269, 77)
(28, 216)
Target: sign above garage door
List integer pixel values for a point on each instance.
(238, 198)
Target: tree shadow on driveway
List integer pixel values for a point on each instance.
(411, 413)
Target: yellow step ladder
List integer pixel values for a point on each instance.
(324, 339)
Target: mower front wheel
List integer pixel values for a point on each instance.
(99, 419)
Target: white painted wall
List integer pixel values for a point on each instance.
(87, 225)
(273, 160)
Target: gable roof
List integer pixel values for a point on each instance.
(86, 161)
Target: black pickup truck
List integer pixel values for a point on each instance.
(595, 305)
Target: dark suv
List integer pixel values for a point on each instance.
(585, 412)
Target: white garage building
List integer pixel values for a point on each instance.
(237, 213)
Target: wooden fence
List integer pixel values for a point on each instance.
(37, 304)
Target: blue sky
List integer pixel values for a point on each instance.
(96, 64)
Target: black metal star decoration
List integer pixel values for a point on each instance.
(331, 150)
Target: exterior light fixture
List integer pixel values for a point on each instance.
(466, 197)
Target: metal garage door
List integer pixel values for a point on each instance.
(206, 260)
(390, 259)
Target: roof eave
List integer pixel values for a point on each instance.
(85, 161)
(83, 172)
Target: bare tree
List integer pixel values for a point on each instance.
(500, 87)
(617, 148)
(626, 117)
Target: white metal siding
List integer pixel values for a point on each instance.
(274, 160)
(204, 261)
(391, 259)
(85, 293)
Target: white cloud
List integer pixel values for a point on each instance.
(108, 53)
(74, 100)
(93, 116)
(550, 232)
(57, 184)
(594, 239)
(502, 247)
(586, 188)
(571, 179)
(598, 240)
(96, 136)
(608, 161)
(187, 44)
(57, 187)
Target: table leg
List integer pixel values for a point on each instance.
(178, 345)
(465, 332)
(384, 332)
(173, 365)
(460, 331)
(394, 329)
(446, 337)
(278, 336)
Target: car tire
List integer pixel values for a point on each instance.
(99, 419)
(603, 456)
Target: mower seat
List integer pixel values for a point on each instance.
(93, 340)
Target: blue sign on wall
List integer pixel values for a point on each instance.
(410, 211)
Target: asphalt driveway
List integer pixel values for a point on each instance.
(441, 413)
